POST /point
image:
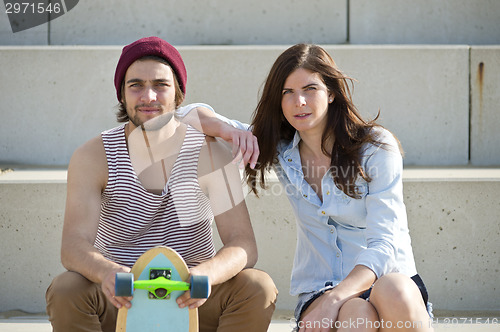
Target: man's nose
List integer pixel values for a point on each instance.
(149, 95)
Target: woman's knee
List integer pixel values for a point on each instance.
(357, 310)
(395, 291)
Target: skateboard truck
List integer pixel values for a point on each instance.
(159, 292)
(159, 285)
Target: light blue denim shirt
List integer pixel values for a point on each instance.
(340, 232)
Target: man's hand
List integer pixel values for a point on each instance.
(185, 299)
(108, 287)
(245, 145)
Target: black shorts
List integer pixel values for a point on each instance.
(305, 303)
(420, 284)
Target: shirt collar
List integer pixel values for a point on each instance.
(292, 145)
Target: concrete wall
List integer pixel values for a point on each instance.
(30, 230)
(485, 105)
(68, 95)
(424, 22)
(239, 22)
(453, 218)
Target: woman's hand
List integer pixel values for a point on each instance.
(321, 315)
(245, 146)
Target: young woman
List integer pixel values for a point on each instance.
(354, 265)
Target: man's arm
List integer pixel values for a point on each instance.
(223, 187)
(87, 177)
(203, 118)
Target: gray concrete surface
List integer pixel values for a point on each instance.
(485, 109)
(238, 22)
(421, 91)
(453, 218)
(424, 22)
(281, 322)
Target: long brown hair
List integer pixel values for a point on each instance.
(344, 123)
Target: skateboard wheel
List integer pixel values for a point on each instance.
(124, 284)
(199, 287)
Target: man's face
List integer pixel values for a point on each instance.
(149, 91)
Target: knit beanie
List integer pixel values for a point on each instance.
(150, 46)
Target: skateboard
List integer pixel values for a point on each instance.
(157, 278)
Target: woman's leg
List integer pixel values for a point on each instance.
(399, 304)
(357, 315)
(354, 315)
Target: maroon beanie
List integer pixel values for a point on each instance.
(150, 46)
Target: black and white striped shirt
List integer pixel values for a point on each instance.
(134, 220)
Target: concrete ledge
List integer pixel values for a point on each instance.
(281, 322)
(223, 22)
(31, 216)
(434, 130)
(453, 219)
(424, 22)
(485, 117)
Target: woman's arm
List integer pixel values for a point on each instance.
(328, 305)
(203, 117)
(385, 209)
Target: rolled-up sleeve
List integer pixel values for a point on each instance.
(385, 209)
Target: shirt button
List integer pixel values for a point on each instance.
(332, 231)
(338, 254)
(289, 159)
(323, 212)
(305, 195)
(328, 193)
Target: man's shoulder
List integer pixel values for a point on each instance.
(95, 146)
(91, 152)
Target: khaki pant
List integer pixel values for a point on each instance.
(243, 303)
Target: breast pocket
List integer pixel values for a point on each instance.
(360, 190)
(352, 211)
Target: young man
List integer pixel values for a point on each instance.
(155, 181)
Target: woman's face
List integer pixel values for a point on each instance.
(305, 100)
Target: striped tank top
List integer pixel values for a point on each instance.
(134, 220)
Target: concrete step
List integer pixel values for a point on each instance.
(231, 22)
(282, 322)
(453, 216)
(441, 101)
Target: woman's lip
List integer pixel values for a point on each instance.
(302, 115)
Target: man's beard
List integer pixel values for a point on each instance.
(154, 123)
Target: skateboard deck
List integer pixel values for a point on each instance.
(156, 280)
